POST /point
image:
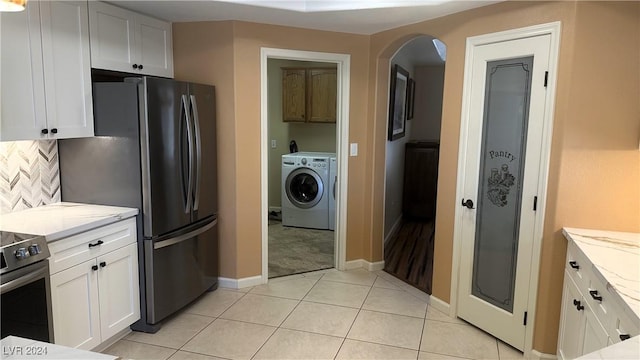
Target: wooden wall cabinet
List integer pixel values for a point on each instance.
(309, 95)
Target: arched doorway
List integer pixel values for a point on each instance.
(411, 158)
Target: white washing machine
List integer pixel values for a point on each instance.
(333, 179)
(305, 189)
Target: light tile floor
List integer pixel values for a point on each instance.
(322, 315)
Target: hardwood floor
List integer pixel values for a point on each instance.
(408, 255)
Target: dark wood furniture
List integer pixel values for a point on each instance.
(420, 180)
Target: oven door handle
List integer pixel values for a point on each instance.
(25, 279)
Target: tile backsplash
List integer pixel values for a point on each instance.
(29, 174)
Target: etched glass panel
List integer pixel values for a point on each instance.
(506, 112)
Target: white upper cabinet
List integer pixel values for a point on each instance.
(46, 72)
(125, 41)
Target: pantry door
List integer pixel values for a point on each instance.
(501, 172)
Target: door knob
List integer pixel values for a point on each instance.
(468, 204)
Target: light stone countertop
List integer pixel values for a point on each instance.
(616, 261)
(628, 349)
(14, 347)
(60, 220)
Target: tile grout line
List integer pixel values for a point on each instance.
(356, 318)
(424, 326)
(197, 333)
(285, 319)
(209, 324)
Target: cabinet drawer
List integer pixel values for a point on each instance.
(622, 324)
(603, 309)
(79, 248)
(578, 267)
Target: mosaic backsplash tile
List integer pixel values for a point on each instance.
(29, 174)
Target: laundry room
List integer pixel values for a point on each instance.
(302, 163)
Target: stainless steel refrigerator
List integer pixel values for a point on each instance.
(155, 149)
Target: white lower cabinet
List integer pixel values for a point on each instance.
(595, 336)
(76, 316)
(94, 299)
(589, 318)
(571, 322)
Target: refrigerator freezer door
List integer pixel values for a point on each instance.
(202, 98)
(181, 269)
(165, 156)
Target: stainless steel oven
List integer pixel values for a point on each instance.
(25, 287)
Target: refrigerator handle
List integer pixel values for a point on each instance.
(187, 207)
(196, 123)
(184, 237)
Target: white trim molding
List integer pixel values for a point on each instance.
(343, 63)
(552, 29)
(364, 264)
(239, 283)
(440, 305)
(537, 355)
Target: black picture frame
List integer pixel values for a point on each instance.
(411, 96)
(398, 102)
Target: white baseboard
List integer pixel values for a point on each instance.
(240, 283)
(112, 340)
(375, 266)
(353, 264)
(364, 264)
(537, 355)
(439, 305)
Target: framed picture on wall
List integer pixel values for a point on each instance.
(398, 102)
(411, 98)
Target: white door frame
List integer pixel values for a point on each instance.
(343, 62)
(552, 29)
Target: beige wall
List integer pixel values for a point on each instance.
(595, 164)
(203, 52)
(428, 103)
(308, 136)
(227, 54)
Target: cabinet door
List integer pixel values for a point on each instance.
(22, 107)
(571, 322)
(76, 313)
(154, 49)
(323, 89)
(119, 292)
(67, 68)
(595, 336)
(112, 37)
(294, 95)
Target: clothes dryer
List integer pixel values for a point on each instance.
(333, 179)
(305, 190)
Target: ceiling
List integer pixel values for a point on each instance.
(311, 14)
